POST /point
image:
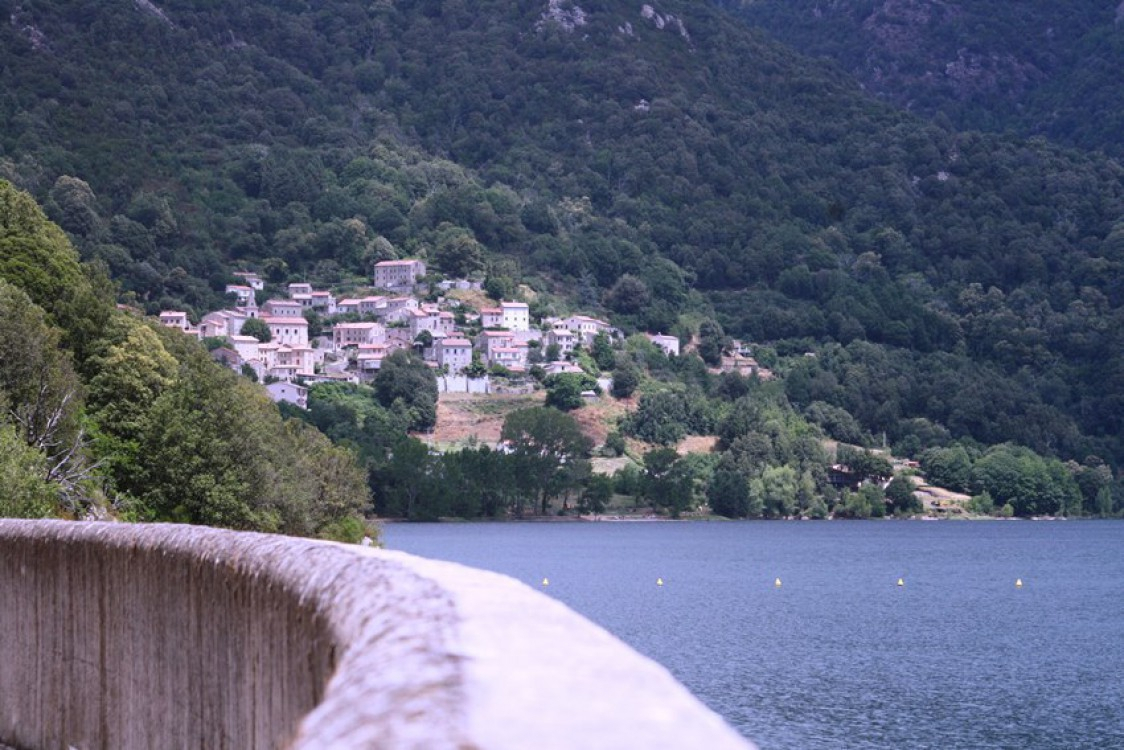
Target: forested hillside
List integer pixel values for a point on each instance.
(1034, 67)
(103, 413)
(661, 164)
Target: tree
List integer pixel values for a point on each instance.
(41, 393)
(257, 328)
(458, 253)
(542, 440)
(629, 295)
(564, 390)
(596, 495)
(406, 384)
(900, 495)
(626, 377)
(712, 342)
(27, 493)
(947, 467)
(667, 480)
(778, 487)
(728, 494)
(602, 351)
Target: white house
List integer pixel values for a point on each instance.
(285, 391)
(286, 362)
(299, 287)
(455, 353)
(491, 317)
(437, 322)
(586, 327)
(291, 331)
(669, 344)
(512, 357)
(175, 319)
(398, 275)
(564, 338)
(347, 305)
(252, 280)
(246, 346)
(222, 323)
(488, 341)
(354, 334)
(398, 309)
(371, 306)
(282, 308)
(245, 294)
(516, 316)
(324, 303)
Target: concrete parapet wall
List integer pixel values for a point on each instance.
(166, 636)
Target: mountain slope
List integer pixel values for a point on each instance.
(1038, 68)
(580, 144)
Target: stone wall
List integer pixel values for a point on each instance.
(166, 636)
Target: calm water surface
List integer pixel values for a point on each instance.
(840, 656)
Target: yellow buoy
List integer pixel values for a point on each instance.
(546, 582)
(1018, 583)
(659, 582)
(777, 583)
(901, 581)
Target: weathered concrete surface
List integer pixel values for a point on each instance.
(164, 636)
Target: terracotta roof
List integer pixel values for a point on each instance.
(392, 263)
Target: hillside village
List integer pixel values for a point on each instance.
(466, 347)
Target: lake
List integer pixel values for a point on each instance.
(840, 655)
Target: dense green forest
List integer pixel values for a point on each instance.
(1033, 67)
(662, 167)
(105, 413)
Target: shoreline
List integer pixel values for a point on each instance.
(653, 518)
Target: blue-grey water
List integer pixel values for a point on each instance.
(840, 656)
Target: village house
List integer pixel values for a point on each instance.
(251, 279)
(450, 284)
(244, 294)
(221, 323)
(304, 300)
(286, 391)
(491, 317)
(563, 338)
(227, 357)
(437, 322)
(516, 316)
(376, 306)
(454, 353)
(669, 344)
(282, 308)
(286, 362)
(299, 287)
(561, 368)
(369, 357)
(348, 305)
(585, 327)
(398, 309)
(246, 346)
(398, 275)
(513, 358)
(175, 319)
(324, 303)
(488, 341)
(353, 334)
(291, 331)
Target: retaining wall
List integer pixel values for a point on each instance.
(167, 636)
